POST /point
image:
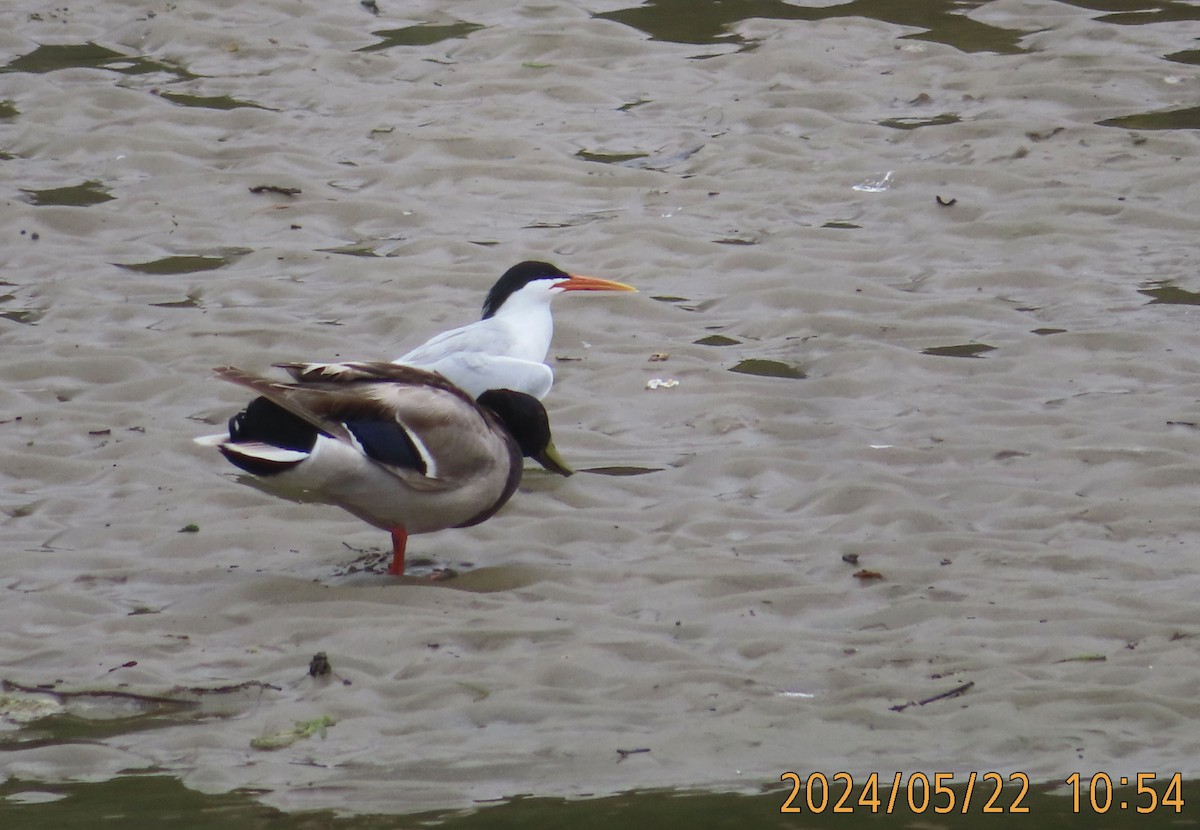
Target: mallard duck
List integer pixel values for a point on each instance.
(507, 348)
(401, 448)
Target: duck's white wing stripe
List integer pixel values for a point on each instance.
(431, 467)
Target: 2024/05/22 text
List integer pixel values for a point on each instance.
(818, 793)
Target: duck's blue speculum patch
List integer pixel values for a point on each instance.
(388, 443)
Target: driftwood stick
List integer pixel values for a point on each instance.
(955, 692)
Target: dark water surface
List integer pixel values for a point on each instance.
(152, 801)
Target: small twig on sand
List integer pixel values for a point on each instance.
(274, 188)
(955, 692)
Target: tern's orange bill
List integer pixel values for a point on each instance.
(579, 283)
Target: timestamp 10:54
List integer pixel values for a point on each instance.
(1099, 792)
(818, 793)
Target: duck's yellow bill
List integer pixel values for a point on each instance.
(552, 461)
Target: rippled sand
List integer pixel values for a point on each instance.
(997, 415)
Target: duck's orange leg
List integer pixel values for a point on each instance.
(399, 542)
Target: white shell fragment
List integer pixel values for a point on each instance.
(659, 383)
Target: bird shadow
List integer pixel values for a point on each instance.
(370, 566)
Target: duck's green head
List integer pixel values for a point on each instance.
(525, 419)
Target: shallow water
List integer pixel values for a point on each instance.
(910, 387)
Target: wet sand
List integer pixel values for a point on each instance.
(997, 414)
